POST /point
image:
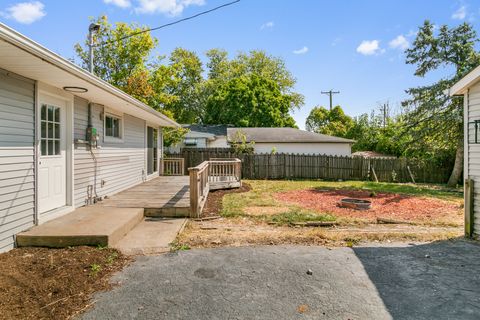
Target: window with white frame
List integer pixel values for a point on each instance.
(113, 126)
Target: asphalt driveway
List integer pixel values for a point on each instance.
(430, 281)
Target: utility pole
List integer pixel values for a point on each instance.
(330, 94)
(92, 29)
(385, 110)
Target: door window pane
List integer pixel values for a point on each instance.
(50, 129)
(43, 147)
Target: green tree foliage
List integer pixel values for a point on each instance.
(186, 84)
(434, 119)
(331, 122)
(117, 61)
(249, 101)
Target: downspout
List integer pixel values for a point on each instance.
(36, 157)
(90, 143)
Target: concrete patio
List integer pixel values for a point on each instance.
(123, 220)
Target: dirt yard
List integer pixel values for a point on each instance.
(277, 212)
(41, 283)
(384, 205)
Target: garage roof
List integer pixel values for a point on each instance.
(285, 135)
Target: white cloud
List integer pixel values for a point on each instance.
(399, 42)
(25, 12)
(369, 48)
(267, 25)
(301, 51)
(170, 7)
(460, 14)
(119, 3)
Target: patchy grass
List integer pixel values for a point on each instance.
(259, 216)
(263, 193)
(299, 215)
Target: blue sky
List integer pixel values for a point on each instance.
(355, 47)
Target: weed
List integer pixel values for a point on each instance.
(94, 269)
(111, 258)
(101, 247)
(351, 241)
(175, 246)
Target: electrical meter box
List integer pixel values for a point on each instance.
(92, 136)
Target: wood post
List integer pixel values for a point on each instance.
(469, 207)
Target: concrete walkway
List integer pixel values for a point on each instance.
(438, 280)
(151, 236)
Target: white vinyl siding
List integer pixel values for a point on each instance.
(17, 157)
(119, 165)
(330, 149)
(472, 150)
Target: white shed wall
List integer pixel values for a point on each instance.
(331, 149)
(472, 151)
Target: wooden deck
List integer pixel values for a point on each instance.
(164, 196)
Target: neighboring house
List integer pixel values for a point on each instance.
(291, 140)
(372, 154)
(203, 136)
(47, 164)
(469, 87)
(267, 140)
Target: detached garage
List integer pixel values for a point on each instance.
(469, 87)
(295, 141)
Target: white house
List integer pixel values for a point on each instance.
(203, 136)
(266, 140)
(469, 88)
(66, 137)
(291, 140)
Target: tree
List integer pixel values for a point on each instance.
(432, 115)
(221, 70)
(116, 61)
(249, 101)
(186, 83)
(331, 122)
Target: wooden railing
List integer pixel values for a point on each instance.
(224, 173)
(172, 167)
(212, 175)
(199, 188)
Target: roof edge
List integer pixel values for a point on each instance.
(19, 40)
(463, 84)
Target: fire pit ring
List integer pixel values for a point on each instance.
(356, 204)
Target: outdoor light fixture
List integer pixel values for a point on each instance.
(75, 89)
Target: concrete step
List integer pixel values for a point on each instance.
(93, 225)
(151, 236)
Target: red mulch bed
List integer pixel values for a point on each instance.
(384, 205)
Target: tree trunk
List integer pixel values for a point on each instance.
(458, 166)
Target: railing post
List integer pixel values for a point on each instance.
(193, 172)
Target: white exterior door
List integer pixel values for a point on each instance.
(52, 165)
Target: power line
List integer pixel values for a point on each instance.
(330, 94)
(168, 24)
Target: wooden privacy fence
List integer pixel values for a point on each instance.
(212, 175)
(172, 167)
(301, 166)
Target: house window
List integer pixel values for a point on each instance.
(190, 142)
(113, 127)
(474, 131)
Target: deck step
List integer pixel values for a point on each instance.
(93, 225)
(168, 212)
